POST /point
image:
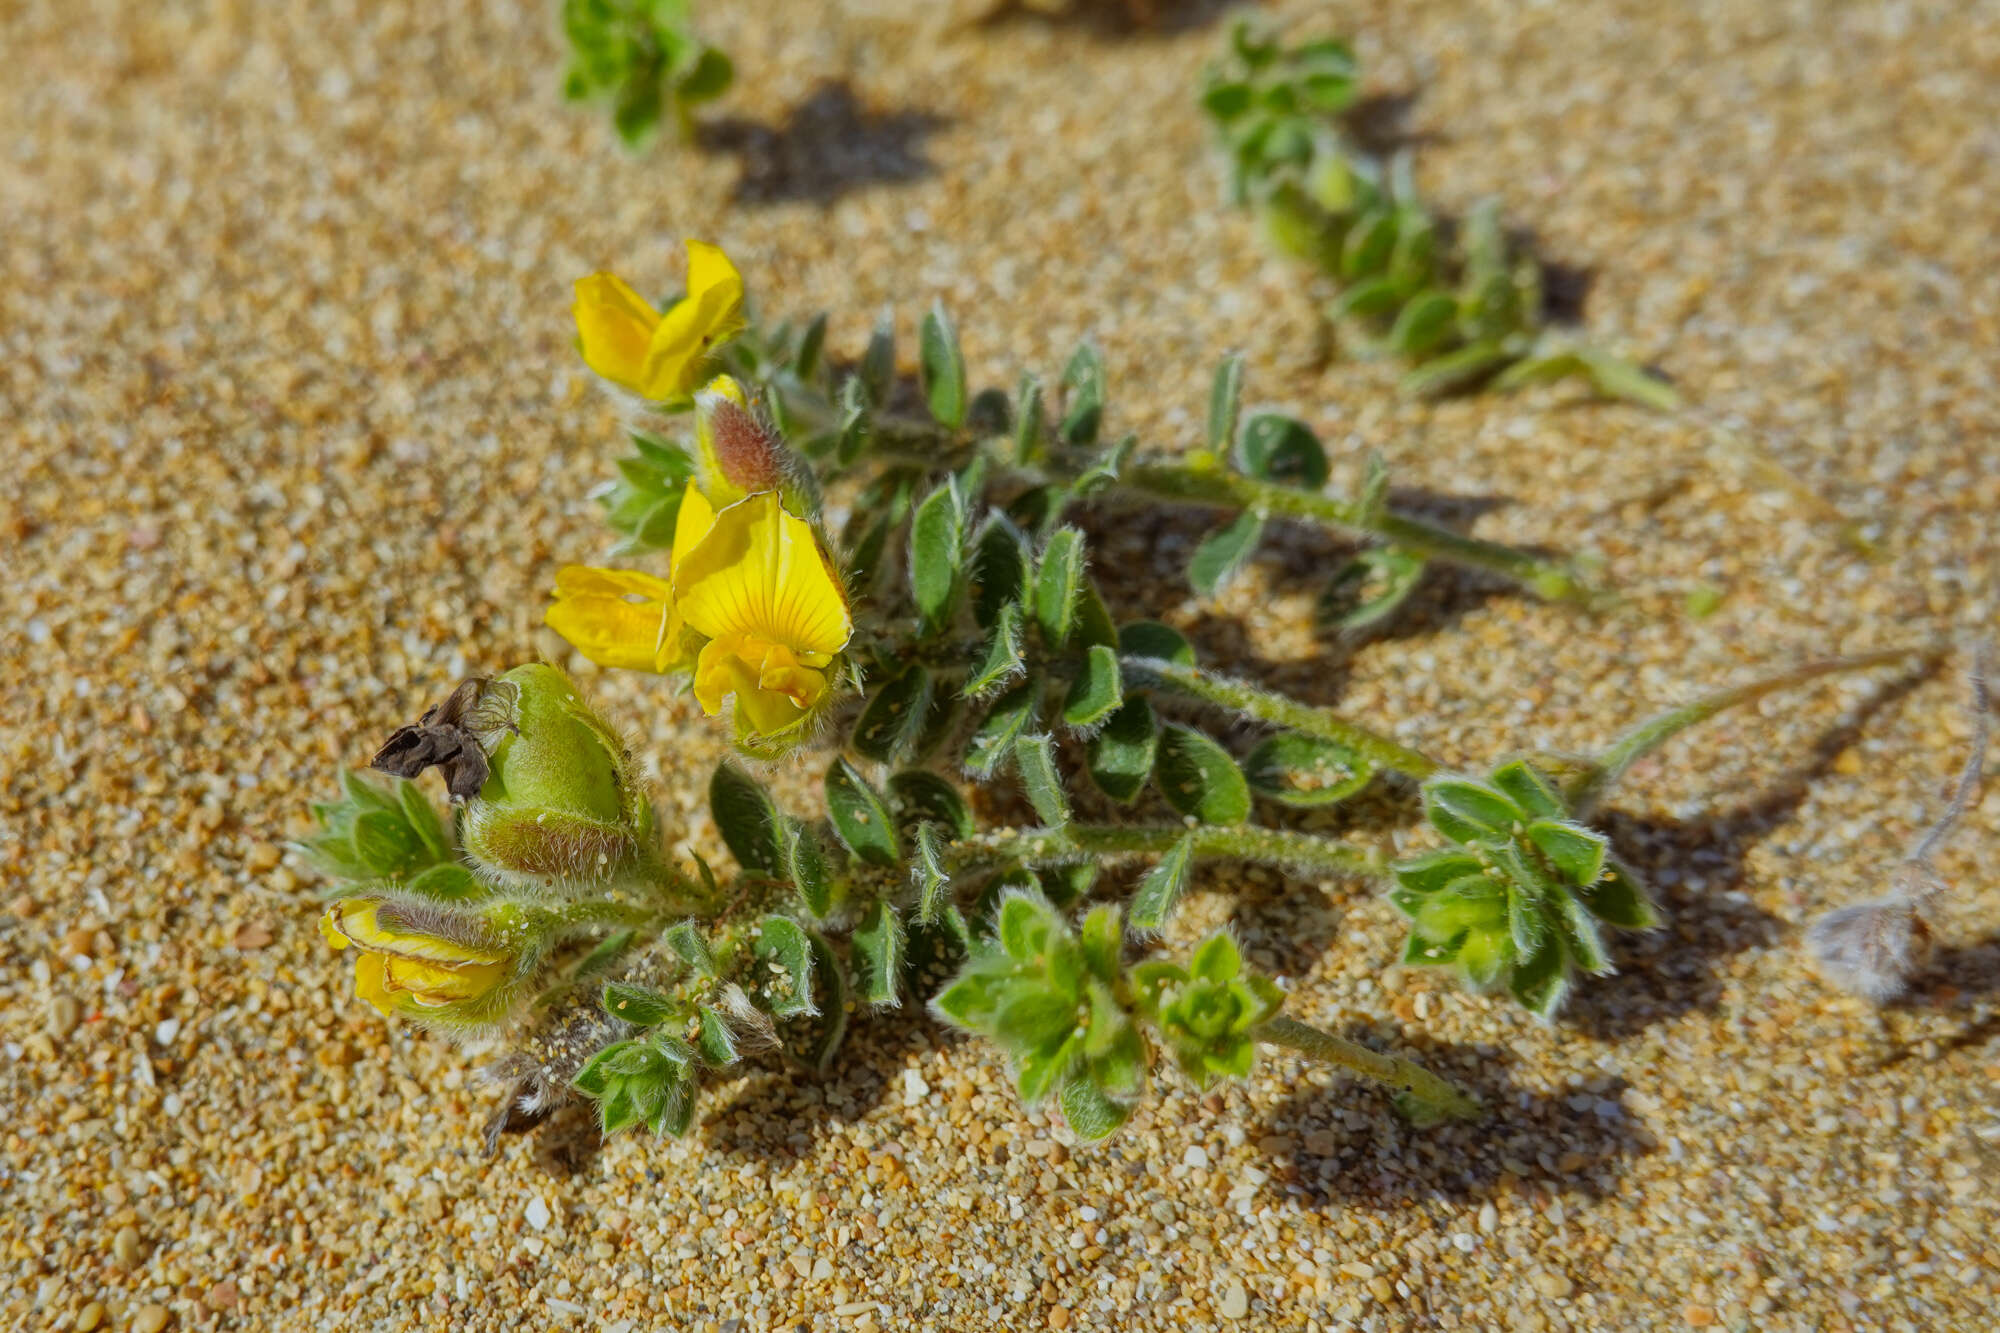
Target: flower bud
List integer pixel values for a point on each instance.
(423, 961)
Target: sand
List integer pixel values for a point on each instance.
(294, 437)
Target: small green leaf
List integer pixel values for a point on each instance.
(636, 1005)
(1057, 580)
(1121, 754)
(1615, 377)
(1284, 450)
(822, 1034)
(1435, 870)
(1427, 320)
(937, 553)
(1030, 430)
(1225, 401)
(1097, 690)
(812, 344)
(1002, 662)
(1035, 760)
(877, 954)
(1421, 952)
(1162, 886)
(993, 740)
(686, 940)
(1083, 395)
(746, 818)
(1226, 101)
(445, 883)
(1369, 242)
(675, 1114)
(1302, 770)
(1369, 588)
(1198, 777)
(1576, 852)
(859, 816)
(878, 363)
(1618, 899)
(1150, 638)
(595, 1077)
(1366, 300)
(716, 1041)
(1224, 551)
(1466, 810)
(1091, 1115)
(927, 868)
(785, 948)
(1530, 789)
(1581, 937)
(422, 818)
(917, 796)
(1458, 369)
(1067, 884)
(806, 866)
(1527, 926)
(1000, 563)
(1541, 981)
(708, 79)
(941, 365)
(1104, 470)
(888, 725)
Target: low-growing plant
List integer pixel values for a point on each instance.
(992, 741)
(643, 58)
(1460, 300)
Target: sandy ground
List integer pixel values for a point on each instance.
(294, 436)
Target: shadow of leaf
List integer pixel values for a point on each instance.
(828, 145)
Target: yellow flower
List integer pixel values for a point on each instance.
(401, 968)
(618, 618)
(659, 356)
(759, 585)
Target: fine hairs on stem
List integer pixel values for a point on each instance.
(1874, 948)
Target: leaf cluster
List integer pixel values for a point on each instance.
(642, 57)
(385, 833)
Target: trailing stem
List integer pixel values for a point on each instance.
(1279, 710)
(1424, 1096)
(1276, 847)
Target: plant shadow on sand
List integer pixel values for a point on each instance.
(1107, 18)
(1672, 971)
(1343, 1146)
(828, 145)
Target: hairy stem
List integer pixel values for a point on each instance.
(1221, 488)
(1275, 847)
(1651, 734)
(1278, 709)
(1428, 1096)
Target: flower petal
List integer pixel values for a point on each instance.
(711, 312)
(617, 617)
(371, 983)
(695, 519)
(760, 572)
(616, 328)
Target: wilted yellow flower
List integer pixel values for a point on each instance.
(760, 586)
(660, 356)
(404, 968)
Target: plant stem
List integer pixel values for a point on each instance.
(1281, 710)
(1277, 847)
(1651, 734)
(1430, 1098)
(1221, 488)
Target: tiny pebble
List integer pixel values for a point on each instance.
(149, 1319)
(64, 1014)
(538, 1213)
(1489, 1217)
(89, 1317)
(1195, 1156)
(1235, 1301)
(126, 1249)
(1553, 1285)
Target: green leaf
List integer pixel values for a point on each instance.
(1530, 789)
(888, 726)
(1618, 899)
(1421, 952)
(1366, 300)
(927, 868)
(878, 363)
(1429, 318)
(1083, 395)
(1150, 638)
(1002, 662)
(1581, 937)
(637, 109)
(941, 366)
(1121, 754)
(1000, 562)
(937, 552)
(1097, 690)
(812, 344)
(1198, 777)
(806, 866)
(877, 954)
(422, 818)
(445, 883)
(1284, 450)
(1030, 430)
(1541, 981)
(819, 1042)
(1466, 810)
(785, 948)
(1527, 925)
(1226, 101)
(1457, 369)
(993, 740)
(1216, 959)
(1369, 241)
(1104, 470)
(746, 818)
(859, 816)
(1067, 884)
(636, 1005)
(1225, 401)
(1224, 551)
(1435, 870)
(1305, 771)
(384, 843)
(675, 1115)
(1540, 370)
(1161, 887)
(716, 1041)
(595, 1077)
(920, 797)
(1091, 1115)
(1615, 377)
(709, 79)
(1057, 581)
(685, 939)
(1369, 588)
(1092, 625)
(1576, 852)
(1035, 760)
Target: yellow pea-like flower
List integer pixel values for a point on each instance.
(403, 968)
(660, 357)
(618, 618)
(759, 585)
